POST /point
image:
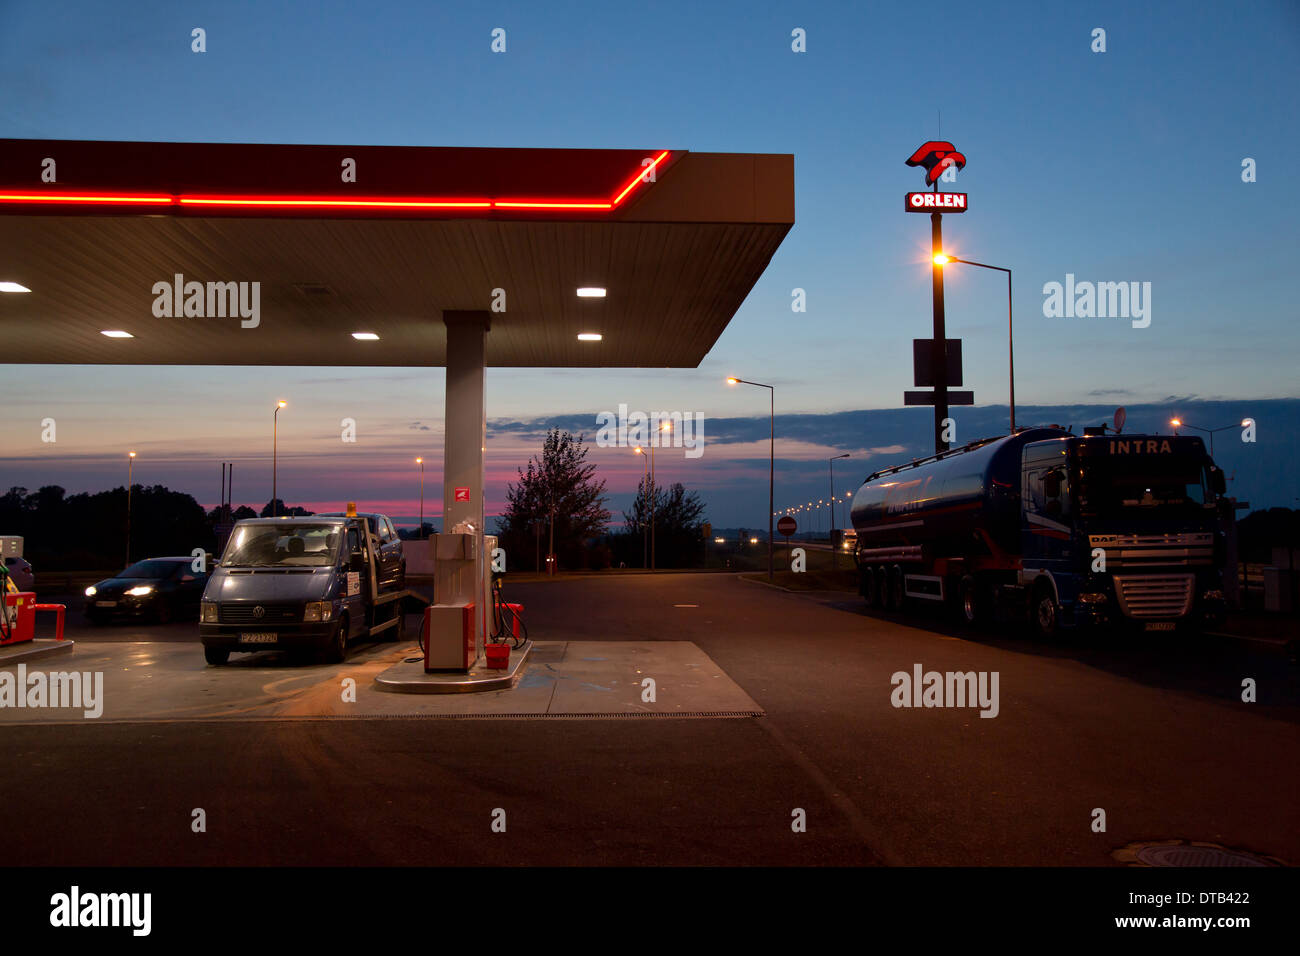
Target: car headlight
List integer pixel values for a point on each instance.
(140, 590)
(91, 591)
(208, 612)
(318, 611)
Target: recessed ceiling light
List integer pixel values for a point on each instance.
(591, 292)
(116, 334)
(365, 336)
(589, 336)
(13, 287)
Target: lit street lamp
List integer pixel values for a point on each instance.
(420, 462)
(275, 439)
(831, 464)
(1179, 423)
(771, 473)
(942, 260)
(645, 537)
(130, 462)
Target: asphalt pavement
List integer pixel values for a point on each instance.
(1152, 731)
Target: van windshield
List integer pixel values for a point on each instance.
(269, 546)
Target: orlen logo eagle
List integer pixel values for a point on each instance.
(937, 157)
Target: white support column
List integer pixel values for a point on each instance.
(466, 438)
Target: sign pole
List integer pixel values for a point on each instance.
(939, 361)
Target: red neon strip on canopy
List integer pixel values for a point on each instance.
(324, 202)
(64, 197)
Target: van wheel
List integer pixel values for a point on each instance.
(1044, 613)
(215, 656)
(973, 602)
(336, 649)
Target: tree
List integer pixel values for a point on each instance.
(558, 490)
(678, 523)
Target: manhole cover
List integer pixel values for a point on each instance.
(1189, 853)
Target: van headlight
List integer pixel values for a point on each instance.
(318, 611)
(208, 612)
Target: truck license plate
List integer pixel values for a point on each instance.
(257, 637)
(1160, 625)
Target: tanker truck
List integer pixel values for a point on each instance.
(1067, 530)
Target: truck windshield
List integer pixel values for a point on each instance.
(267, 546)
(1167, 482)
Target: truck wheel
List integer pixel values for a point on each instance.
(867, 586)
(973, 602)
(215, 656)
(1044, 613)
(336, 649)
(896, 595)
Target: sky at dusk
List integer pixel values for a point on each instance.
(1117, 166)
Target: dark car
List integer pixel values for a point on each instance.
(160, 589)
(390, 566)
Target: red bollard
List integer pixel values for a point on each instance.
(59, 610)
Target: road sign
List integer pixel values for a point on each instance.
(927, 398)
(462, 494)
(923, 362)
(787, 526)
(935, 202)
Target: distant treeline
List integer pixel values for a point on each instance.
(85, 531)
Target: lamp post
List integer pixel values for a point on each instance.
(659, 428)
(275, 441)
(420, 462)
(942, 260)
(130, 463)
(645, 483)
(831, 463)
(1179, 423)
(771, 473)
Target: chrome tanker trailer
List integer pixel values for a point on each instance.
(1069, 529)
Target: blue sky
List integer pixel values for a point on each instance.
(1115, 166)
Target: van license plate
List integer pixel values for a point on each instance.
(1160, 625)
(258, 637)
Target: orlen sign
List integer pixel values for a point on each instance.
(935, 202)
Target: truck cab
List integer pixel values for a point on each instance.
(1121, 528)
(296, 584)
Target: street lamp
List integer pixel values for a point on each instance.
(771, 473)
(831, 464)
(275, 429)
(645, 537)
(942, 260)
(130, 463)
(1179, 423)
(420, 462)
(664, 427)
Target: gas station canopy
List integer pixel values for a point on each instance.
(676, 238)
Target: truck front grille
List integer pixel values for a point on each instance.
(1154, 595)
(245, 612)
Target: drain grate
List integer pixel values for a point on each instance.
(1190, 853)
